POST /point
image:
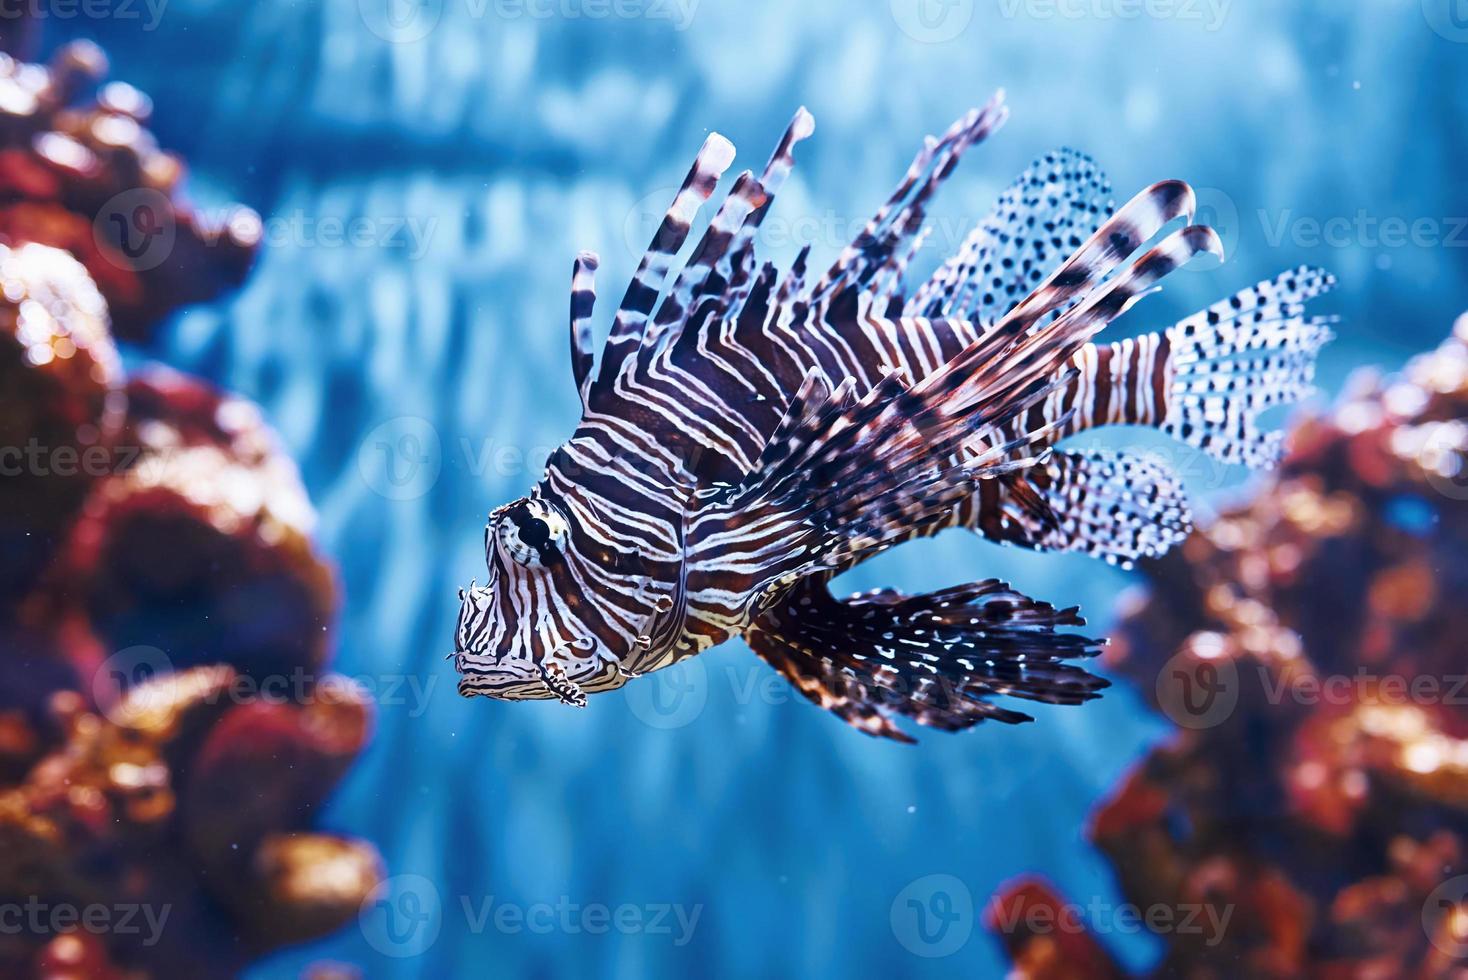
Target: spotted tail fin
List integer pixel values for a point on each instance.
(938, 658)
(1206, 379)
(1240, 357)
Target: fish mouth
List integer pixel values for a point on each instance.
(504, 686)
(514, 686)
(538, 677)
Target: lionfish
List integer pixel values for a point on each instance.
(746, 437)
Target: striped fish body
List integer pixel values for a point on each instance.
(746, 436)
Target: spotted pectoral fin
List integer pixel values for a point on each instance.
(937, 658)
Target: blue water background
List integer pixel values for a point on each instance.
(513, 141)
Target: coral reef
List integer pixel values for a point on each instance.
(80, 171)
(176, 813)
(1309, 647)
(201, 480)
(167, 723)
(59, 402)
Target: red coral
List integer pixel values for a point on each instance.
(59, 401)
(1309, 644)
(138, 518)
(86, 175)
(201, 545)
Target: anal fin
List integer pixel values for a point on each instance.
(1114, 506)
(936, 658)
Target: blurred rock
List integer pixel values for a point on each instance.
(167, 730)
(97, 821)
(1028, 917)
(1309, 644)
(59, 404)
(201, 545)
(76, 956)
(79, 170)
(267, 763)
(41, 655)
(310, 884)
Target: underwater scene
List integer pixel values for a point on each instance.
(458, 519)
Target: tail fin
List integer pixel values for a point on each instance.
(1206, 379)
(1240, 357)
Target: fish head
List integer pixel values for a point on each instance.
(540, 627)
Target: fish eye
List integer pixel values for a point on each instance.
(532, 532)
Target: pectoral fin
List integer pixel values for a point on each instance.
(937, 658)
